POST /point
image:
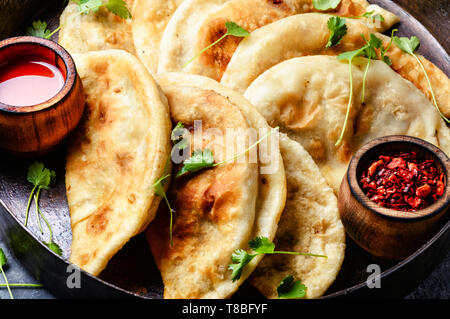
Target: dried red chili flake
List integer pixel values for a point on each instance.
(403, 182)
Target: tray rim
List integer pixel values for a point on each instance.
(346, 292)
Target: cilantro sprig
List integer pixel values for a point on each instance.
(41, 178)
(368, 51)
(371, 15)
(117, 7)
(203, 159)
(180, 142)
(260, 245)
(158, 188)
(410, 45)
(338, 29)
(374, 17)
(384, 50)
(232, 29)
(39, 29)
(198, 161)
(290, 288)
(3, 262)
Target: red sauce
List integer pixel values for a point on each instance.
(29, 81)
(403, 182)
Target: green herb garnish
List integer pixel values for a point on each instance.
(158, 188)
(180, 142)
(232, 29)
(369, 52)
(326, 4)
(240, 259)
(383, 49)
(374, 17)
(338, 29)
(349, 56)
(3, 262)
(291, 289)
(177, 135)
(369, 15)
(117, 7)
(198, 161)
(410, 45)
(39, 29)
(41, 178)
(204, 159)
(260, 245)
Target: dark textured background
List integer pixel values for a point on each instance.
(434, 15)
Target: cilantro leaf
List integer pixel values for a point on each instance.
(262, 245)
(326, 4)
(119, 8)
(367, 14)
(350, 55)
(372, 16)
(39, 29)
(40, 176)
(383, 50)
(290, 288)
(3, 259)
(177, 133)
(240, 259)
(373, 43)
(178, 137)
(158, 186)
(3, 262)
(88, 6)
(54, 247)
(198, 161)
(338, 29)
(232, 29)
(410, 45)
(377, 16)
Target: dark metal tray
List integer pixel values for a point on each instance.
(132, 273)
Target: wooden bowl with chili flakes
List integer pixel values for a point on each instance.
(394, 195)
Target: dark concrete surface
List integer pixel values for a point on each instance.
(435, 286)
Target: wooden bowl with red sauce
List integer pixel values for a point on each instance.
(385, 231)
(41, 95)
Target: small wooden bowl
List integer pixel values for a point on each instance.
(33, 130)
(384, 232)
